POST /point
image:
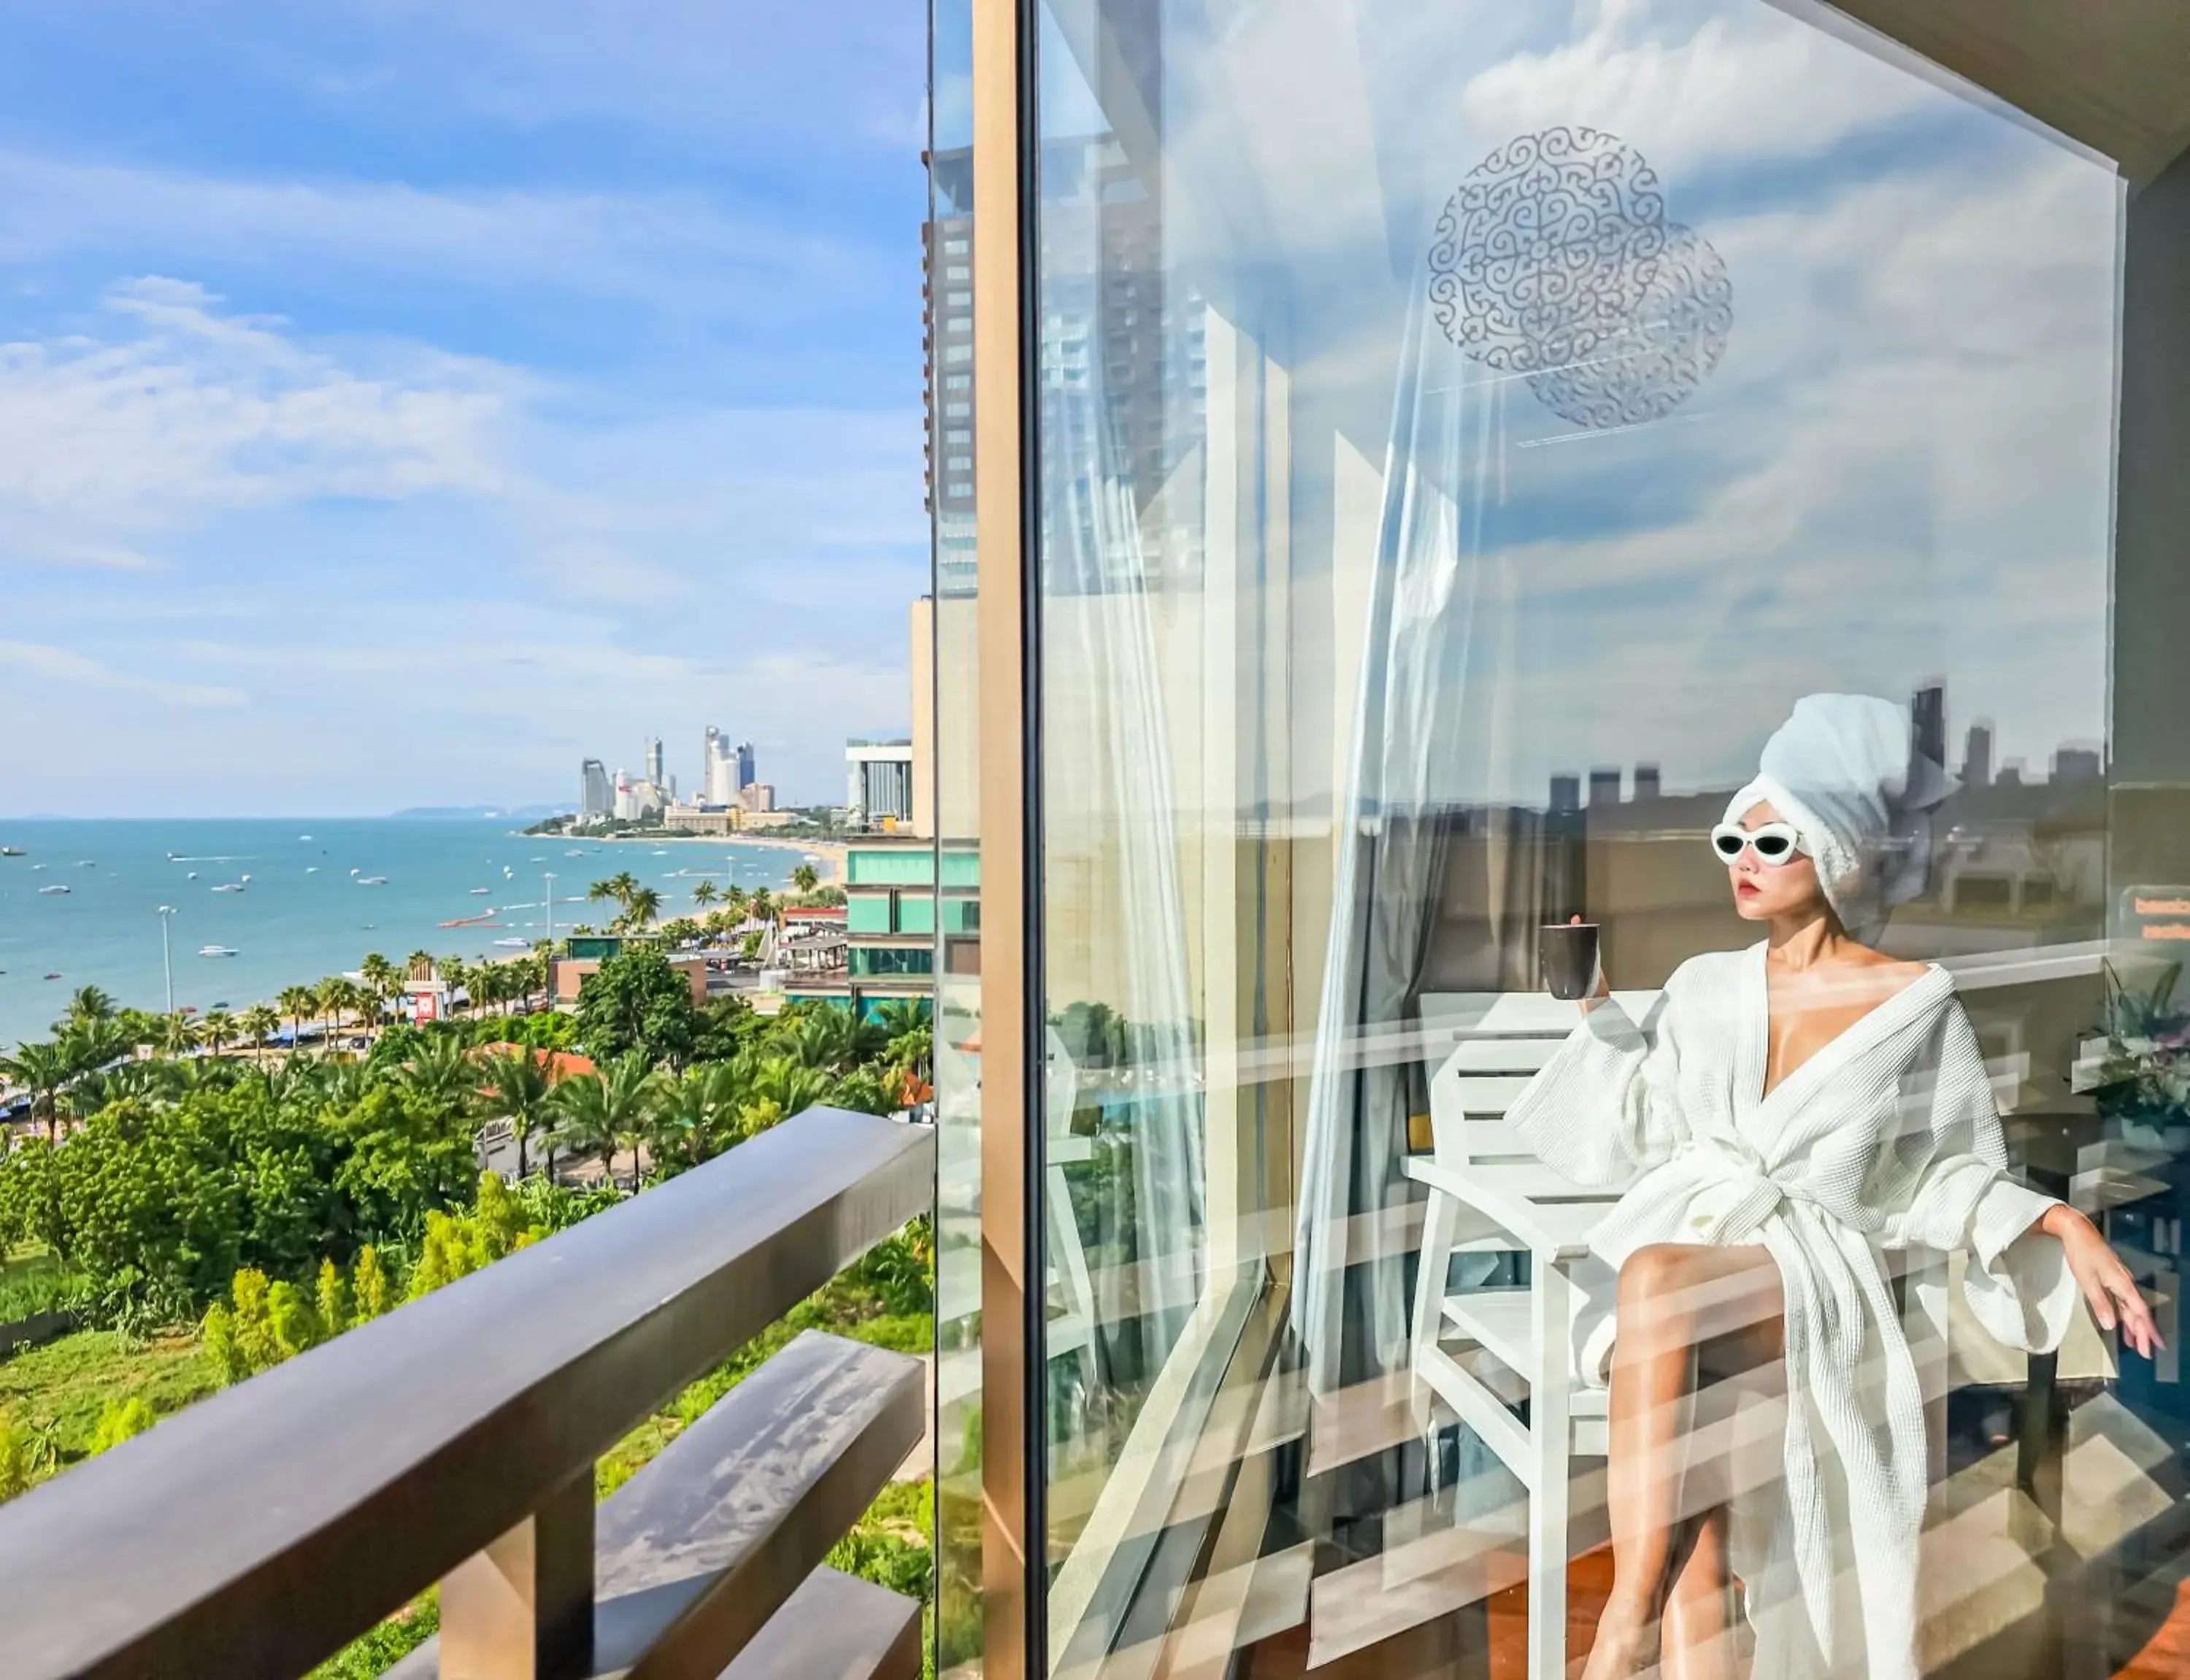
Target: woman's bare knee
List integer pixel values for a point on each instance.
(1693, 1293)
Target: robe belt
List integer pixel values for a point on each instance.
(1755, 1196)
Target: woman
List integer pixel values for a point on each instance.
(1807, 1103)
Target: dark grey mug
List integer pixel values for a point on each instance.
(1567, 951)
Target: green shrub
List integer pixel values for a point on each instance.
(118, 1420)
(19, 1457)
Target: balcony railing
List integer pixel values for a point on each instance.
(454, 1441)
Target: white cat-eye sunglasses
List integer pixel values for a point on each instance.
(1776, 843)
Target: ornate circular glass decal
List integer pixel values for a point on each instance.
(1555, 260)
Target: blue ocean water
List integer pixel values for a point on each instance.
(306, 911)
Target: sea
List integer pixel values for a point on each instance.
(299, 899)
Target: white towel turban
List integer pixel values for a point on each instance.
(1844, 770)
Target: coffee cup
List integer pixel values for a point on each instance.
(1567, 951)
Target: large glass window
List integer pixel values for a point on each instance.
(1466, 435)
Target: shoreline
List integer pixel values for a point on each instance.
(831, 853)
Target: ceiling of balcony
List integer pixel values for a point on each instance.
(2112, 73)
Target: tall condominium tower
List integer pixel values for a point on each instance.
(596, 798)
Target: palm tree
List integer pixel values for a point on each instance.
(297, 1002)
(697, 1115)
(518, 1086)
(441, 1074)
(457, 975)
(219, 1027)
(383, 980)
(599, 1112)
(644, 905)
(89, 1003)
(179, 1037)
(88, 1045)
(44, 1072)
(763, 905)
(257, 1022)
(909, 1041)
(619, 887)
(736, 898)
(805, 878)
(705, 893)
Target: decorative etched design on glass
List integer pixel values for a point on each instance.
(1555, 260)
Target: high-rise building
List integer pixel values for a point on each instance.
(758, 797)
(878, 782)
(596, 798)
(2077, 764)
(654, 762)
(1647, 782)
(1603, 787)
(720, 766)
(1976, 756)
(1566, 792)
(1927, 709)
(744, 757)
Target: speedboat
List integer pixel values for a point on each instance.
(192, 876)
(11, 852)
(216, 950)
(311, 869)
(515, 944)
(49, 891)
(372, 880)
(481, 891)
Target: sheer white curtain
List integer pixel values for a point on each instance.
(1430, 718)
(1098, 636)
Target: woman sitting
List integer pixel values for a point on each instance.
(1808, 1103)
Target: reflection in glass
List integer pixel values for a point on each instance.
(1463, 435)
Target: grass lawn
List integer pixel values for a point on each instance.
(59, 1391)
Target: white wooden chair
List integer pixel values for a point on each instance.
(1476, 1351)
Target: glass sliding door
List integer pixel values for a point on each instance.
(1462, 435)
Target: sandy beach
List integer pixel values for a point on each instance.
(830, 853)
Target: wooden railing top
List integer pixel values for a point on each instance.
(261, 1529)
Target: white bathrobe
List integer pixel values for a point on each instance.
(1887, 1138)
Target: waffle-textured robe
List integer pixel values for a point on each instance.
(1887, 1138)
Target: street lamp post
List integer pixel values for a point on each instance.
(550, 910)
(167, 957)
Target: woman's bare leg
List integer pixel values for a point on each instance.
(1698, 1625)
(1673, 1299)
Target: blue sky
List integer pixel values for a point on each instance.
(400, 402)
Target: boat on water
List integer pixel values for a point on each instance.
(216, 950)
(372, 880)
(515, 944)
(311, 869)
(234, 886)
(481, 891)
(11, 852)
(53, 977)
(48, 891)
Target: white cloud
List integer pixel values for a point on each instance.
(1695, 86)
(27, 667)
(180, 411)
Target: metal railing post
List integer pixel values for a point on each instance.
(522, 1608)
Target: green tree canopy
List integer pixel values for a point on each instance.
(637, 1001)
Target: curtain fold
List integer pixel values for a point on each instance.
(1098, 636)
(1429, 721)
